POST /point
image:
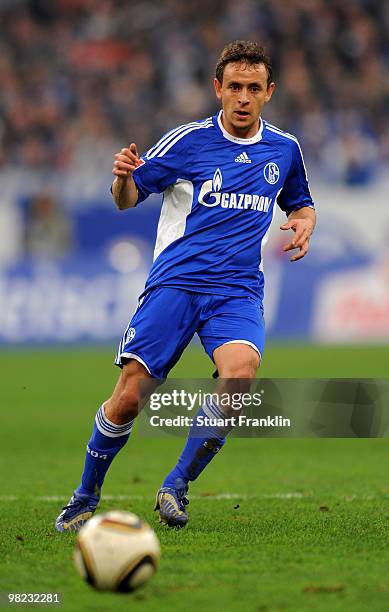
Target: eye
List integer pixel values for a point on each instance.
(234, 86)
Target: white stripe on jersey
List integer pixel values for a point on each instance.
(286, 135)
(266, 234)
(278, 130)
(177, 204)
(181, 135)
(173, 133)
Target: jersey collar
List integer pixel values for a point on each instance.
(245, 141)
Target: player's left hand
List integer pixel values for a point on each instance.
(303, 229)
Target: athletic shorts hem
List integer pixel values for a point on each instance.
(118, 361)
(242, 342)
(254, 346)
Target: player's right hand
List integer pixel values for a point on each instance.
(126, 161)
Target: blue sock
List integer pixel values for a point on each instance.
(203, 443)
(106, 441)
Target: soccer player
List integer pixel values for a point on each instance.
(221, 179)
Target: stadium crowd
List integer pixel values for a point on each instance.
(78, 78)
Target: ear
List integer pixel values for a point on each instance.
(270, 90)
(218, 88)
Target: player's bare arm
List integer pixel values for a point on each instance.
(302, 222)
(124, 190)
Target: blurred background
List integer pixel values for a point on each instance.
(79, 79)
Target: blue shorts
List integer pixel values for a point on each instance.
(167, 319)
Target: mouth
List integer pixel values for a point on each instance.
(242, 114)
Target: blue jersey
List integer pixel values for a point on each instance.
(219, 194)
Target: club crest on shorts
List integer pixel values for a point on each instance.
(271, 173)
(130, 334)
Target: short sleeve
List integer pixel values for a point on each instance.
(295, 193)
(161, 166)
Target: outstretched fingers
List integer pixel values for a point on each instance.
(301, 238)
(303, 250)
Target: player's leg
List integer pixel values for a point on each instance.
(111, 430)
(146, 353)
(112, 427)
(237, 365)
(233, 335)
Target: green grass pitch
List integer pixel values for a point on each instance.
(276, 524)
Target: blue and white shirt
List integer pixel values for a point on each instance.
(219, 194)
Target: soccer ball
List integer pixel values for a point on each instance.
(116, 551)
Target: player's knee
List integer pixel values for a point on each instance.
(244, 370)
(236, 360)
(122, 407)
(127, 400)
(128, 403)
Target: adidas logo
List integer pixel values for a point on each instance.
(243, 158)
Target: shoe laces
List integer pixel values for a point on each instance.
(73, 504)
(181, 494)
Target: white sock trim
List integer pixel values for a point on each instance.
(212, 410)
(110, 429)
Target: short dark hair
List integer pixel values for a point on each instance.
(245, 51)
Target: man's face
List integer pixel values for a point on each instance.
(243, 94)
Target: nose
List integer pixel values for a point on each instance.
(243, 98)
